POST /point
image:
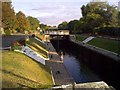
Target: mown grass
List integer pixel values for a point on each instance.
(37, 46)
(81, 37)
(32, 39)
(40, 36)
(111, 45)
(20, 71)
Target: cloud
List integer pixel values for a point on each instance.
(49, 12)
(55, 13)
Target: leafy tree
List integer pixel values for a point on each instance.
(34, 23)
(84, 11)
(63, 25)
(22, 22)
(119, 19)
(99, 14)
(9, 21)
(77, 28)
(71, 25)
(43, 26)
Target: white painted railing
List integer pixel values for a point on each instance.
(3, 48)
(59, 32)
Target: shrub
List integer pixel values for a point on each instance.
(16, 46)
(7, 31)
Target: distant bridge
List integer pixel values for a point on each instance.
(56, 34)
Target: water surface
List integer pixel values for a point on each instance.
(80, 72)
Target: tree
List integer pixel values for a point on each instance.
(119, 19)
(63, 25)
(9, 21)
(84, 11)
(22, 22)
(99, 14)
(71, 25)
(34, 23)
(43, 27)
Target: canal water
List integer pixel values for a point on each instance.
(79, 71)
(87, 66)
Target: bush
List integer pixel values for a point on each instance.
(16, 46)
(7, 31)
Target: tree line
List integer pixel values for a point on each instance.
(17, 22)
(97, 18)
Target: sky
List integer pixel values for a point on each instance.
(53, 12)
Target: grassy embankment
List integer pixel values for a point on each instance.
(81, 37)
(20, 71)
(40, 36)
(107, 44)
(37, 46)
(110, 45)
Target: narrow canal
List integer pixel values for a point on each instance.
(79, 71)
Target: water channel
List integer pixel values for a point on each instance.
(79, 71)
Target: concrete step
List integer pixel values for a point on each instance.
(88, 39)
(31, 53)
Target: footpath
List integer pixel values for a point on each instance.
(59, 71)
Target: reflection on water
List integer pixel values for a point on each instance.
(77, 70)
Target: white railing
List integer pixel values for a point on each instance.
(57, 32)
(4, 48)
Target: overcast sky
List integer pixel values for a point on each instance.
(52, 12)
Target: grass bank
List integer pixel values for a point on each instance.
(40, 36)
(81, 37)
(20, 71)
(108, 44)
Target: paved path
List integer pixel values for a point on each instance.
(60, 74)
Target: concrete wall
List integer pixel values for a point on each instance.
(8, 40)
